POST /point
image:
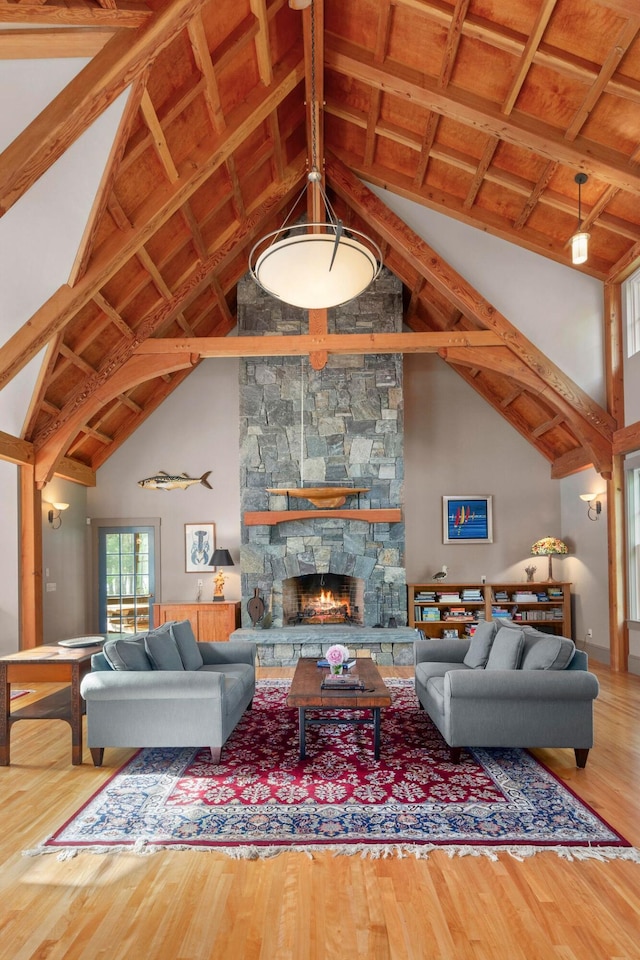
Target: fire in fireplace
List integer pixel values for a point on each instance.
(323, 598)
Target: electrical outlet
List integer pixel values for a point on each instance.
(51, 588)
(200, 583)
(589, 634)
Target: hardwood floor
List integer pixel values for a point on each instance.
(195, 906)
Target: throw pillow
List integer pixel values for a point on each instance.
(127, 653)
(548, 652)
(478, 653)
(506, 650)
(187, 645)
(162, 650)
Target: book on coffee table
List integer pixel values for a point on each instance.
(342, 683)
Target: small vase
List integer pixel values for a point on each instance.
(336, 669)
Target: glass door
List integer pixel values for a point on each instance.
(126, 578)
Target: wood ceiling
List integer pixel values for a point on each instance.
(484, 110)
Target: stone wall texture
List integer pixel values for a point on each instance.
(342, 425)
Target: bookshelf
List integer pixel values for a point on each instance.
(457, 607)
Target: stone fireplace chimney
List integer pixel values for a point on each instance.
(345, 423)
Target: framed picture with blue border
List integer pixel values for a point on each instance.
(467, 519)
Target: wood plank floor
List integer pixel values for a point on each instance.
(195, 906)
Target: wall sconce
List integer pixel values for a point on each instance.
(220, 558)
(54, 515)
(580, 240)
(595, 506)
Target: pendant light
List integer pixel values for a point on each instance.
(580, 240)
(315, 265)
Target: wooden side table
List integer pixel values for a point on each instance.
(48, 664)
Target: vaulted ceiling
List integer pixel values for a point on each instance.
(484, 110)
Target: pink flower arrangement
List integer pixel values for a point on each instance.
(337, 655)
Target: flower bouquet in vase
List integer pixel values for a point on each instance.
(337, 655)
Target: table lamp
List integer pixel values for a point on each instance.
(220, 558)
(549, 547)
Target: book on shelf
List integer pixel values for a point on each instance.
(524, 596)
(453, 597)
(472, 595)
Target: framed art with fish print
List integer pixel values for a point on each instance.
(467, 520)
(199, 544)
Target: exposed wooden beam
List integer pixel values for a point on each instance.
(53, 42)
(481, 115)
(15, 450)
(85, 97)
(136, 370)
(627, 439)
(460, 293)
(154, 321)
(526, 59)
(302, 344)
(570, 463)
(70, 469)
(131, 17)
(66, 302)
(30, 559)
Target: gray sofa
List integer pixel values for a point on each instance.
(510, 686)
(164, 689)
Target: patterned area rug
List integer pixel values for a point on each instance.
(261, 799)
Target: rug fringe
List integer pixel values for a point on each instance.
(366, 851)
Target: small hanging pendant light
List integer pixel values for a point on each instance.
(580, 239)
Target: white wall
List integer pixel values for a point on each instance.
(196, 429)
(64, 567)
(456, 444)
(557, 308)
(9, 530)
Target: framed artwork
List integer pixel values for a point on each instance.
(199, 544)
(467, 520)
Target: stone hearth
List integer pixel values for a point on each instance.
(282, 647)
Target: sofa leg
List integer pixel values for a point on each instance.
(581, 756)
(250, 705)
(215, 754)
(97, 755)
(454, 754)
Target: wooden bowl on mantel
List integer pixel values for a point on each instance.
(320, 496)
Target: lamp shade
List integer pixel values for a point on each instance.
(579, 248)
(549, 546)
(221, 558)
(315, 270)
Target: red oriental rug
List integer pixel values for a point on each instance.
(262, 799)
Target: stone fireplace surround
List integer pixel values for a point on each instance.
(348, 418)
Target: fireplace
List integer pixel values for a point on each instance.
(323, 598)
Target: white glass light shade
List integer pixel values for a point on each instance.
(579, 247)
(588, 497)
(298, 268)
(60, 506)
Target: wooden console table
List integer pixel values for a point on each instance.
(210, 621)
(48, 665)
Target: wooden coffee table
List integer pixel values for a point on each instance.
(48, 664)
(306, 694)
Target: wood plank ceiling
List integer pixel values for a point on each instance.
(484, 110)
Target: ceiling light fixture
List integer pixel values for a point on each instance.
(580, 239)
(315, 265)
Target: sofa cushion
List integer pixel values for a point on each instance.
(506, 650)
(548, 652)
(162, 650)
(478, 653)
(187, 645)
(127, 653)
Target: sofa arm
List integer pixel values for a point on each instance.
(521, 685)
(151, 685)
(447, 650)
(232, 651)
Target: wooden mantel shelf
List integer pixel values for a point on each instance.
(272, 517)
